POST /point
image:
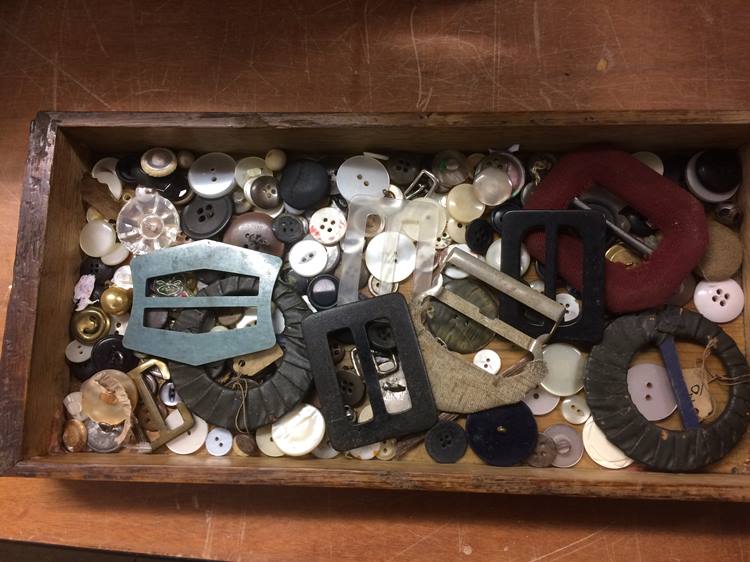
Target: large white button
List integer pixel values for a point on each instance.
(265, 442)
(77, 352)
(492, 186)
(493, 256)
(413, 216)
(720, 301)
(391, 257)
(572, 308)
(190, 441)
(298, 432)
(540, 402)
(212, 175)
(116, 256)
(97, 238)
(463, 204)
(601, 451)
(565, 366)
(219, 442)
(488, 360)
(308, 258)
(575, 410)
(362, 175)
(328, 225)
(104, 171)
(247, 170)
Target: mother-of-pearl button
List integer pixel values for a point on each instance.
(325, 450)
(540, 402)
(493, 256)
(492, 186)
(488, 360)
(720, 301)
(104, 171)
(190, 441)
(97, 238)
(219, 442)
(362, 175)
(456, 231)
(308, 258)
(116, 256)
(77, 352)
(565, 366)
(463, 204)
(266, 443)
(391, 257)
(298, 432)
(651, 391)
(575, 410)
(572, 308)
(599, 448)
(212, 175)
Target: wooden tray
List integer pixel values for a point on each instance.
(62, 148)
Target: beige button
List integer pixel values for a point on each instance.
(275, 159)
(366, 452)
(159, 162)
(387, 450)
(97, 238)
(73, 406)
(492, 186)
(116, 256)
(463, 204)
(75, 436)
(456, 231)
(651, 160)
(265, 442)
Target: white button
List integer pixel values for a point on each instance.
(308, 258)
(97, 238)
(493, 256)
(328, 225)
(537, 285)
(651, 391)
(720, 301)
(123, 277)
(104, 171)
(275, 159)
(219, 442)
(601, 451)
(572, 308)
(451, 270)
(366, 452)
(488, 360)
(168, 394)
(116, 256)
(695, 185)
(77, 352)
(651, 160)
(190, 441)
(278, 321)
(365, 414)
(362, 175)
(298, 432)
(212, 175)
(119, 324)
(247, 170)
(444, 240)
(73, 403)
(575, 410)
(456, 230)
(540, 402)
(391, 257)
(325, 450)
(265, 442)
(463, 204)
(565, 366)
(492, 186)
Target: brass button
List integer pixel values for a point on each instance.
(116, 300)
(75, 436)
(620, 254)
(90, 325)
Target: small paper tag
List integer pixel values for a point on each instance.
(699, 392)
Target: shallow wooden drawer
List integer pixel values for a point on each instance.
(62, 148)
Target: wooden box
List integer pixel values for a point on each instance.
(63, 147)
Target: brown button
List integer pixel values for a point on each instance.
(90, 325)
(244, 445)
(75, 436)
(253, 231)
(264, 192)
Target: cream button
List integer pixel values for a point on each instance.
(266, 444)
(123, 277)
(488, 360)
(445, 240)
(116, 256)
(275, 159)
(325, 450)
(73, 403)
(565, 365)
(77, 352)
(362, 175)
(328, 225)
(93, 214)
(493, 256)
(412, 216)
(190, 441)
(298, 432)
(720, 301)
(97, 238)
(391, 257)
(104, 171)
(575, 410)
(219, 442)
(540, 402)
(159, 162)
(463, 205)
(212, 175)
(601, 451)
(387, 450)
(572, 308)
(248, 169)
(308, 258)
(456, 231)
(366, 452)
(651, 160)
(492, 186)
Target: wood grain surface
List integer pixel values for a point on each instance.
(360, 56)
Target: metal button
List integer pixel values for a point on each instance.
(190, 441)
(446, 442)
(159, 162)
(565, 366)
(492, 186)
(328, 225)
(253, 231)
(263, 192)
(219, 442)
(462, 203)
(719, 302)
(300, 431)
(575, 410)
(488, 360)
(116, 300)
(90, 325)
(362, 175)
(618, 253)
(308, 258)
(572, 308)
(103, 438)
(568, 444)
(97, 238)
(540, 402)
(651, 391)
(544, 452)
(391, 257)
(204, 218)
(265, 442)
(494, 256)
(212, 175)
(601, 451)
(502, 436)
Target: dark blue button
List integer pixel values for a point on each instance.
(503, 436)
(446, 442)
(479, 236)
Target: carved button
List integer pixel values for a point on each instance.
(90, 325)
(253, 231)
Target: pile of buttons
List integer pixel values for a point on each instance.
(297, 209)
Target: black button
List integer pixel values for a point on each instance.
(97, 268)
(503, 436)
(175, 186)
(479, 236)
(127, 166)
(496, 217)
(352, 387)
(304, 184)
(204, 218)
(323, 291)
(83, 371)
(129, 170)
(403, 168)
(719, 170)
(446, 442)
(109, 353)
(380, 335)
(288, 228)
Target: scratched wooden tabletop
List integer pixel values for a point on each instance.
(360, 56)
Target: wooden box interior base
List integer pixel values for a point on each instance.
(63, 147)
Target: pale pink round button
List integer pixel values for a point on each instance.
(720, 301)
(651, 391)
